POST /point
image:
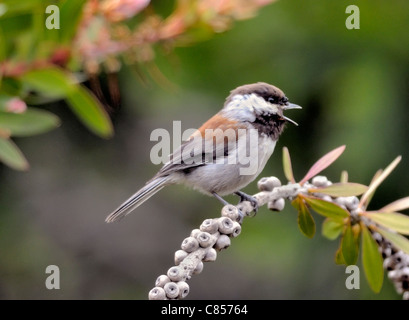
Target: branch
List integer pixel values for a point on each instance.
(214, 235)
(396, 263)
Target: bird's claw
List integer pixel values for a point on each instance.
(241, 216)
(245, 197)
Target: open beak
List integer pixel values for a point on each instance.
(288, 107)
(289, 120)
(291, 106)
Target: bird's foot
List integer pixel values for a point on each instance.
(224, 202)
(245, 197)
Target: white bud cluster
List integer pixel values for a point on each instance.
(321, 182)
(396, 264)
(201, 246)
(268, 184)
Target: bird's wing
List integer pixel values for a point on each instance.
(206, 145)
(191, 154)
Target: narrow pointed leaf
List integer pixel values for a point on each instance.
(71, 13)
(288, 170)
(391, 220)
(331, 229)
(349, 246)
(372, 261)
(306, 222)
(90, 112)
(347, 189)
(56, 83)
(323, 163)
(11, 155)
(327, 209)
(32, 121)
(396, 239)
(51, 82)
(339, 258)
(376, 182)
(398, 205)
(344, 177)
(372, 193)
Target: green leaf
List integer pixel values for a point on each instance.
(51, 82)
(349, 246)
(4, 99)
(331, 229)
(32, 121)
(323, 163)
(10, 88)
(3, 47)
(347, 189)
(19, 7)
(306, 222)
(339, 258)
(37, 100)
(398, 205)
(54, 82)
(288, 170)
(396, 239)
(70, 13)
(90, 112)
(372, 260)
(327, 209)
(11, 155)
(391, 220)
(376, 182)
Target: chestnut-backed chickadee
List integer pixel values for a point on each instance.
(252, 120)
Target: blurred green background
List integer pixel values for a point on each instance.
(353, 86)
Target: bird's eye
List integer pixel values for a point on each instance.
(284, 100)
(271, 100)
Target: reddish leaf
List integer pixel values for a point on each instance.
(323, 163)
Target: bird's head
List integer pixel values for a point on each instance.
(261, 104)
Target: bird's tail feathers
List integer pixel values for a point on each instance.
(137, 199)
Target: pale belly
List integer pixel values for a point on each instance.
(235, 173)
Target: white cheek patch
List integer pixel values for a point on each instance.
(245, 107)
(241, 107)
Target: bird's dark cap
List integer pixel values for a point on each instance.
(264, 90)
